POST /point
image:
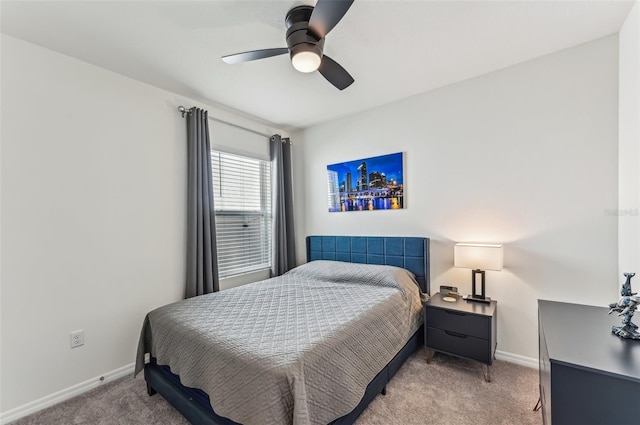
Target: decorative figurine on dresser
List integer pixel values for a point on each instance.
(626, 307)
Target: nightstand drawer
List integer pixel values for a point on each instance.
(459, 344)
(459, 322)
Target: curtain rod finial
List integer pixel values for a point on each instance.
(183, 110)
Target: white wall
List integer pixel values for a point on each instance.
(93, 217)
(629, 146)
(526, 156)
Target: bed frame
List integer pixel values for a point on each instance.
(409, 253)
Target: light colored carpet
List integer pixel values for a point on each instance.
(447, 391)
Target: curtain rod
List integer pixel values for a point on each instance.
(184, 111)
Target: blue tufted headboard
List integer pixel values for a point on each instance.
(409, 253)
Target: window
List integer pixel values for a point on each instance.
(242, 201)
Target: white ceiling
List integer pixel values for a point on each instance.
(393, 49)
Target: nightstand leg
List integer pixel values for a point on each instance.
(538, 405)
(486, 371)
(430, 354)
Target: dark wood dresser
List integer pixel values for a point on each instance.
(588, 376)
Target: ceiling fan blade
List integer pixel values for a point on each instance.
(326, 14)
(254, 55)
(334, 73)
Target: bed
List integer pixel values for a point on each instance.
(313, 346)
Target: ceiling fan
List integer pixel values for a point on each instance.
(307, 27)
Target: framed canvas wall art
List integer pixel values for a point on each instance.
(368, 184)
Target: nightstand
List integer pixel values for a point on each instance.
(461, 328)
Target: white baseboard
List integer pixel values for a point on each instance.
(65, 394)
(517, 359)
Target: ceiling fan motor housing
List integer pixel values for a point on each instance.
(298, 37)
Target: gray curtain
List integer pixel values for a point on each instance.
(283, 256)
(202, 254)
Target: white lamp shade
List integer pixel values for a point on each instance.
(477, 256)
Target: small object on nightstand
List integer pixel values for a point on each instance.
(449, 293)
(446, 289)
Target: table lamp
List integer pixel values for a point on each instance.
(478, 258)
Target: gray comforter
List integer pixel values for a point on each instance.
(297, 349)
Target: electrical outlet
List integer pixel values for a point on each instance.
(77, 338)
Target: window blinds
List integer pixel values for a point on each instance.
(242, 201)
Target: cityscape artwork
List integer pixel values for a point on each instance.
(368, 184)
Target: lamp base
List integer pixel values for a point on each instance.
(486, 300)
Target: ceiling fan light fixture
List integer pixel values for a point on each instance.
(306, 60)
